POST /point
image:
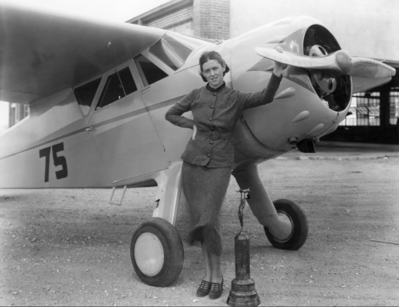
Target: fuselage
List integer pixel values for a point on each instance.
(124, 140)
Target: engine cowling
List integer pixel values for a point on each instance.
(309, 103)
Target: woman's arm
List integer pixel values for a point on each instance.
(267, 95)
(174, 114)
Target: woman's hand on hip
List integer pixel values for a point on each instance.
(194, 132)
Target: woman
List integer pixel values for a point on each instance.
(209, 155)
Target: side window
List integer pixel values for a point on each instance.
(118, 85)
(85, 94)
(149, 72)
(127, 80)
(112, 91)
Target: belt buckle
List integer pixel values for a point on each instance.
(214, 135)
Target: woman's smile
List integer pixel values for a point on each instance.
(213, 73)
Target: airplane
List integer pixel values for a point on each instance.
(98, 93)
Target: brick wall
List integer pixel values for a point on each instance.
(173, 18)
(211, 18)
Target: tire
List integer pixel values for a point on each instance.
(299, 223)
(157, 252)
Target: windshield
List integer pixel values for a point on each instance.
(173, 49)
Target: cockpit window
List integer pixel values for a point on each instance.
(85, 94)
(170, 51)
(127, 80)
(118, 85)
(149, 72)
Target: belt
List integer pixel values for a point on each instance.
(215, 135)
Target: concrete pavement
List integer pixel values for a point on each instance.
(343, 150)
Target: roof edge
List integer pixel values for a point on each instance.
(160, 11)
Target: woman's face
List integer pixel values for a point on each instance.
(213, 73)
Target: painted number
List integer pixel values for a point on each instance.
(58, 161)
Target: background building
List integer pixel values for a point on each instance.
(362, 27)
(202, 18)
(17, 112)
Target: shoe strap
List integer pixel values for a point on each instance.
(216, 287)
(205, 284)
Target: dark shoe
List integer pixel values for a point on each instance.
(216, 290)
(203, 288)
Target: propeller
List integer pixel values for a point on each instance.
(369, 68)
(338, 62)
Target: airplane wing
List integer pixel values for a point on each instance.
(42, 53)
(366, 73)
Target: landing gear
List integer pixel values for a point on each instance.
(285, 223)
(292, 213)
(157, 252)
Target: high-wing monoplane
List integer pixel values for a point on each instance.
(98, 93)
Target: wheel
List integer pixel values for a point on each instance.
(299, 233)
(157, 252)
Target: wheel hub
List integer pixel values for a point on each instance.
(149, 254)
(285, 228)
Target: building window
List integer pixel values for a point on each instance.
(365, 110)
(393, 108)
(185, 27)
(26, 110)
(13, 114)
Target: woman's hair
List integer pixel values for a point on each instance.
(212, 55)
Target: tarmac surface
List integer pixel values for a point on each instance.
(336, 150)
(71, 248)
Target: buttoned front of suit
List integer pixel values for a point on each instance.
(215, 113)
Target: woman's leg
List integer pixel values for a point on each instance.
(216, 276)
(213, 272)
(207, 263)
(205, 190)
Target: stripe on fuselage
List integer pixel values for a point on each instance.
(153, 107)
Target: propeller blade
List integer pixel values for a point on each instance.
(369, 68)
(339, 61)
